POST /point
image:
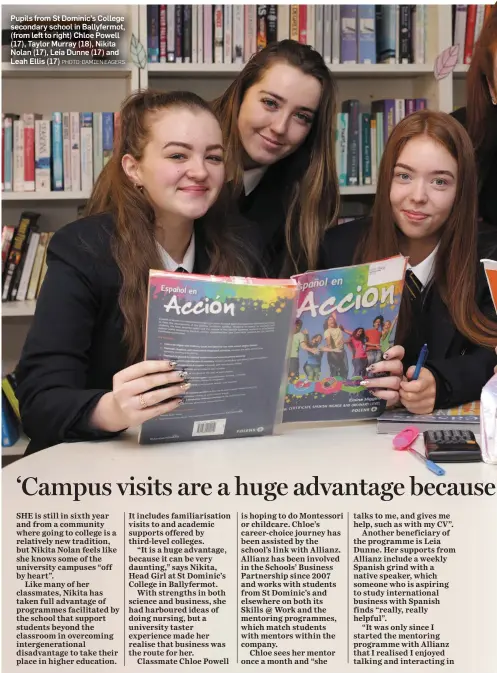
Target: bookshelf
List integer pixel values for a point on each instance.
(45, 90)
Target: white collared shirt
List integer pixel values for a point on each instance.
(424, 270)
(252, 177)
(188, 259)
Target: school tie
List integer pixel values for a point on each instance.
(180, 269)
(414, 285)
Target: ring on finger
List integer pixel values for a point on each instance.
(143, 401)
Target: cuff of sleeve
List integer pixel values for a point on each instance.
(81, 428)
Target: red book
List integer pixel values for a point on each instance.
(303, 24)
(470, 33)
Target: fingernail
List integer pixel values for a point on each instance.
(364, 383)
(181, 400)
(172, 363)
(386, 356)
(370, 368)
(186, 386)
(183, 374)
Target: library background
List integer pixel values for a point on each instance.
(383, 58)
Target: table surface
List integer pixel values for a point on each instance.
(339, 450)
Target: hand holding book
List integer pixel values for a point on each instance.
(140, 392)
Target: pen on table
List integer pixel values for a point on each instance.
(423, 356)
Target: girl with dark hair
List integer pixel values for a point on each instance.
(158, 203)
(480, 115)
(426, 209)
(278, 119)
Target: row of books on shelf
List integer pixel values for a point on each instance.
(361, 137)
(64, 153)
(467, 22)
(11, 417)
(232, 33)
(24, 250)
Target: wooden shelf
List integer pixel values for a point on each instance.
(45, 196)
(18, 309)
(363, 70)
(72, 72)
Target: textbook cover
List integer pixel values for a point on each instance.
(346, 319)
(462, 417)
(490, 267)
(231, 335)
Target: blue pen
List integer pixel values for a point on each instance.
(423, 356)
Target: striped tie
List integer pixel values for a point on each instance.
(414, 285)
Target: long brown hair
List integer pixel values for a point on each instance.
(133, 239)
(481, 112)
(456, 260)
(314, 198)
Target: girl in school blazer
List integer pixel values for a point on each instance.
(158, 203)
(425, 208)
(278, 116)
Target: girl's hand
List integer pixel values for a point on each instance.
(418, 397)
(132, 400)
(387, 387)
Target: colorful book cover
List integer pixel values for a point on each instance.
(455, 418)
(232, 336)
(346, 318)
(491, 273)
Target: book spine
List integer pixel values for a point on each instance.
(283, 23)
(336, 35)
(86, 121)
(272, 24)
(187, 34)
(18, 155)
(250, 31)
(57, 152)
(7, 153)
(311, 25)
(200, 34)
(374, 153)
(366, 149)
(170, 40)
(238, 33)
(195, 11)
(9, 390)
(294, 22)
(178, 43)
(66, 151)
(410, 106)
(386, 37)
(75, 151)
(208, 17)
(228, 33)
(218, 33)
(162, 34)
(460, 30)
(421, 104)
(37, 266)
(351, 107)
(107, 136)
(480, 15)
(42, 155)
(261, 26)
(302, 24)
(98, 157)
(367, 34)
(400, 110)
(348, 22)
(22, 290)
(341, 148)
(319, 29)
(470, 33)
(153, 33)
(29, 151)
(7, 238)
(405, 34)
(327, 33)
(27, 222)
